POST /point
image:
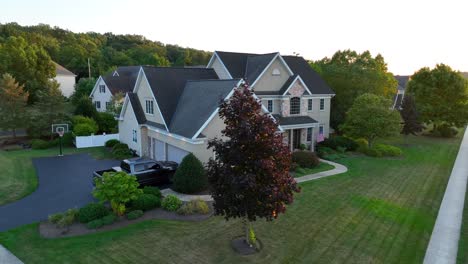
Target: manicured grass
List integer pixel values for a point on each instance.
(18, 177)
(306, 171)
(463, 242)
(380, 211)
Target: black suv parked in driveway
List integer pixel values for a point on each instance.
(147, 171)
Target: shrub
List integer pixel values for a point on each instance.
(303, 147)
(445, 130)
(336, 142)
(294, 166)
(108, 219)
(171, 203)
(121, 154)
(84, 130)
(362, 143)
(39, 144)
(95, 224)
(146, 202)
(92, 211)
(152, 190)
(134, 214)
(190, 176)
(194, 207)
(387, 150)
(111, 143)
(305, 159)
(54, 218)
(119, 146)
(324, 152)
(372, 152)
(64, 219)
(118, 188)
(106, 122)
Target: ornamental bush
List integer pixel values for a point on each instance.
(135, 214)
(111, 143)
(108, 219)
(92, 211)
(336, 142)
(64, 219)
(362, 143)
(194, 207)
(84, 130)
(119, 146)
(146, 202)
(152, 190)
(95, 224)
(388, 151)
(190, 176)
(171, 203)
(39, 144)
(305, 159)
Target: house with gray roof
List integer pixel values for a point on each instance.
(122, 80)
(173, 111)
(400, 90)
(65, 79)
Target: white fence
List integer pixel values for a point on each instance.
(93, 140)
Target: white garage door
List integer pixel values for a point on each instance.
(175, 154)
(159, 153)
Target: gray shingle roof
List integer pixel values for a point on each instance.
(124, 82)
(402, 81)
(197, 102)
(255, 66)
(137, 109)
(294, 120)
(235, 62)
(167, 84)
(60, 70)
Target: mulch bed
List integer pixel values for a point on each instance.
(49, 230)
(243, 248)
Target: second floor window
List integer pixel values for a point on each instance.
(102, 88)
(97, 104)
(309, 105)
(322, 104)
(270, 106)
(295, 106)
(134, 135)
(149, 107)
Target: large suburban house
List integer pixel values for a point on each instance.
(65, 78)
(122, 80)
(402, 82)
(174, 111)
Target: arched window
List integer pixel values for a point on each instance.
(295, 106)
(276, 72)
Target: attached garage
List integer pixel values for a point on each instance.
(175, 154)
(159, 150)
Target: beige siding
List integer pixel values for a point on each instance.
(144, 93)
(219, 69)
(323, 117)
(276, 105)
(270, 82)
(101, 97)
(126, 127)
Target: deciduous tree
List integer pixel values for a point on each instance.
(350, 75)
(249, 175)
(13, 101)
(442, 96)
(371, 117)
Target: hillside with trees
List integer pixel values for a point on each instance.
(105, 51)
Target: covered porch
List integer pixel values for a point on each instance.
(298, 131)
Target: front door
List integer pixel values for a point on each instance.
(296, 139)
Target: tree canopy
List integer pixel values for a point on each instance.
(105, 51)
(411, 121)
(13, 101)
(249, 175)
(441, 95)
(351, 74)
(371, 117)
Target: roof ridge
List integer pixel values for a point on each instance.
(204, 80)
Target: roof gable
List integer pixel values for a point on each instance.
(122, 82)
(60, 70)
(256, 66)
(191, 115)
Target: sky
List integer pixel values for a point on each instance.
(410, 34)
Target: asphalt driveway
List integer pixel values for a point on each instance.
(64, 182)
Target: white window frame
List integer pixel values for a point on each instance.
(322, 128)
(268, 105)
(102, 88)
(290, 106)
(310, 105)
(309, 135)
(149, 106)
(276, 72)
(134, 136)
(97, 104)
(108, 104)
(322, 104)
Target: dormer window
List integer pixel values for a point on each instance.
(276, 72)
(295, 106)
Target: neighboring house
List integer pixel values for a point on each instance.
(66, 79)
(402, 82)
(122, 80)
(174, 111)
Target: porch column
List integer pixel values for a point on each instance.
(291, 135)
(312, 140)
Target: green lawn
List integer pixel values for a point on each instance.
(463, 243)
(19, 164)
(380, 211)
(306, 171)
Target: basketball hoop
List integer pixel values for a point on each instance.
(60, 129)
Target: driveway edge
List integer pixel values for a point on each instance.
(443, 246)
(6, 257)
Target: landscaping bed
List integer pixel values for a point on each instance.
(323, 166)
(49, 230)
